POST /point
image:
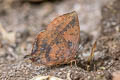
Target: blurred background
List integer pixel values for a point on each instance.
(22, 20)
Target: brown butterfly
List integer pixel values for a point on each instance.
(59, 43)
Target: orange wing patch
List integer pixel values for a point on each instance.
(59, 43)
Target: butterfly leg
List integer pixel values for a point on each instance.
(71, 62)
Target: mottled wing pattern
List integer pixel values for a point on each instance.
(59, 43)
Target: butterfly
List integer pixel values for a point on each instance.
(58, 43)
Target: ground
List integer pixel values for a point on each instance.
(21, 21)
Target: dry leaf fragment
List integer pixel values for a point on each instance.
(39, 77)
